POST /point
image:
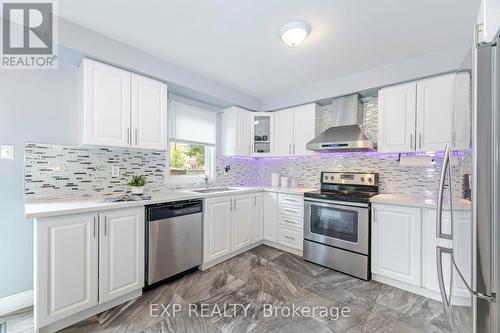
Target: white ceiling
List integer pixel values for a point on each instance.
(237, 42)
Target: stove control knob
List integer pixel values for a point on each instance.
(369, 180)
(326, 177)
(362, 179)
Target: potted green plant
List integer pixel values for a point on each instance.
(137, 183)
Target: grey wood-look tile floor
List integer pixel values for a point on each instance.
(264, 277)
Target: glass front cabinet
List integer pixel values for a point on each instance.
(262, 136)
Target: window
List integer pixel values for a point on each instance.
(192, 140)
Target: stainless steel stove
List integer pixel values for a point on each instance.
(337, 222)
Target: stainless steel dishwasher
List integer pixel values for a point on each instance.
(173, 239)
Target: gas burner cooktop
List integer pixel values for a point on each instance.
(350, 187)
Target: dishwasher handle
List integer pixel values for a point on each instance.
(173, 209)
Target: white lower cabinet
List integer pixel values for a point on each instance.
(66, 257)
(404, 249)
(217, 223)
(68, 251)
(233, 224)
(270, 216)
(121, 252)
(242, 221)
(396, 243)
(258, 218)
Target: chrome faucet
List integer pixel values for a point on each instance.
(206, 181)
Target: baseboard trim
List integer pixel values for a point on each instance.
(16, 302)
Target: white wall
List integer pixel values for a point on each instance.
(35, 106)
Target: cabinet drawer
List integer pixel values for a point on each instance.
(292, 221)
(293, 200)
(291, 211)
(290, 237)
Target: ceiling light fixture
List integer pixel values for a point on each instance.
(294, 33)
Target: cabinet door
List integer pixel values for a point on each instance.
(65, 266)
(262, 133)
(396, 243)
(396, 118)
(258, 218)
(304, 124)
(242, 221)
(149, 113)
(236, 126)
(435, 100)
(270, 216)
(121, 252)
(217, 217)
(489, 18)
(106, 105)
(283, 123)
(462, 112)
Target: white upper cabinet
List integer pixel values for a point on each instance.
(236, 127)
(435, 102)
(489, 19)
(121, 255)
(304, 124)
(425, 115)
(396, 118)
(149, 113)
(262, 133)
(462, 113)
(295, 127)
(122, 109)
(106, 104)
(283, 122)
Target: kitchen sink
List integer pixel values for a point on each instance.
(214, 190)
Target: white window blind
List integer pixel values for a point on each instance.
(191, 124)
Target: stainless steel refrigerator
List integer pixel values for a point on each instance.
(468, 253)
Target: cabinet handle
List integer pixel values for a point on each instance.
(289, 148)
(105, 226)
(290, 211)
(420, 140)
(255, 201)
(289, 221)
(290, 237)
(136, 137)
(94, 226)
(411, 141)
(128, 136)
(234, 204)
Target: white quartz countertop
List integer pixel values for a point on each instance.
(418, 201)
(82, 205)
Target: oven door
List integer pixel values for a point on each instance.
(342, 225)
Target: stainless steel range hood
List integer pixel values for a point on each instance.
(345, 135)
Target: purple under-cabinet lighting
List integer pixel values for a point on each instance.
(351, 154)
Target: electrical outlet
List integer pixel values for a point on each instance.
(115, 171)
(7, 152)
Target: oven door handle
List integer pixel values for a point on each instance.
(326, 203)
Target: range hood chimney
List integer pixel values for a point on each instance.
(345, 133)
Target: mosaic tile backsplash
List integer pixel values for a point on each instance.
(393, 178)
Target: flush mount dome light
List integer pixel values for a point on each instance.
(294, 33)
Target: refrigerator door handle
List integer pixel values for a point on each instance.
(439, 261)
(489, 297)
(439, 215)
